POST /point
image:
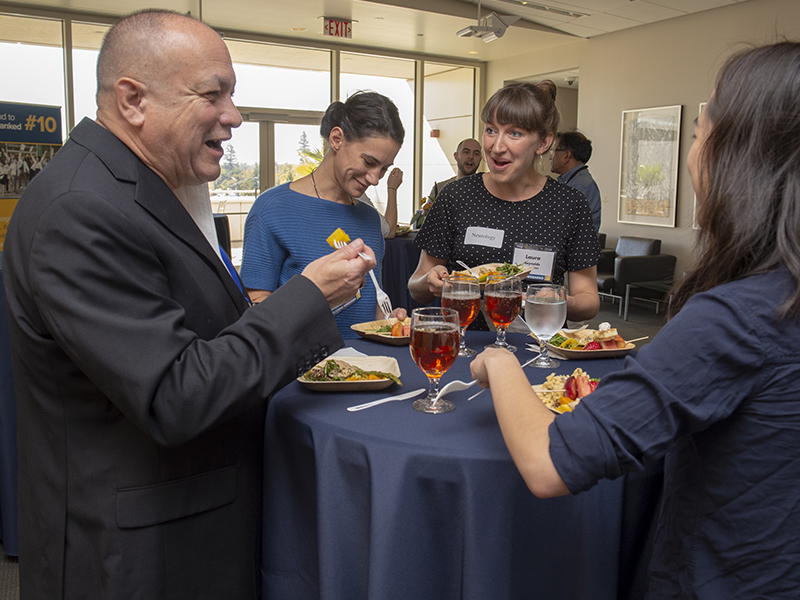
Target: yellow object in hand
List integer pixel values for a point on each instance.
(338, 236)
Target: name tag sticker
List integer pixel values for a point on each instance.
(540, 259)
(483, 236)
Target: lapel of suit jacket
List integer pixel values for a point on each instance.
(154, 196)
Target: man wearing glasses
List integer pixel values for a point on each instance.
(569, 160)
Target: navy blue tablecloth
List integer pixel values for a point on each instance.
(8, 438)
(389, 503)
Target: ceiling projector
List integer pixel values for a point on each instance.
(489, 28)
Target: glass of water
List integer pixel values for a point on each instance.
(545, 313)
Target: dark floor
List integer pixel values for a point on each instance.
(642, 321)
(9, 577)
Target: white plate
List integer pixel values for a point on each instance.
(386, 364)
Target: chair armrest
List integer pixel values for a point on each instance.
(606, 263)
(652, 267)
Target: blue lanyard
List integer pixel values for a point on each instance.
(234, 274)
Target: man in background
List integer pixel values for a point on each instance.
(572, 152)
(468, 159)
(142, 376)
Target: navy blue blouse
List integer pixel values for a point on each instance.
(717, 392)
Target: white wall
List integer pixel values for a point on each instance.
(567, 103)
(667, 63)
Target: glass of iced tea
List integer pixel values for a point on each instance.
(502, 299)
(434, 347)
(462, 293)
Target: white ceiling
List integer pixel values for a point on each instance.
(419, 26)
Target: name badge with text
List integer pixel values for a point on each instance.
(483, 236)
(540, 259)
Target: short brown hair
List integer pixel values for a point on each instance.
(527, 105)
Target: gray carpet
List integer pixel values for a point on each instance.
(9, 577)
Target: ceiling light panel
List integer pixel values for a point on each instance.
(547, 9)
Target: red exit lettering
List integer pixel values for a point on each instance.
(337, 28)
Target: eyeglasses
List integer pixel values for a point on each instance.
(560, 150)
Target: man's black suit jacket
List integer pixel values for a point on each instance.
(142, 379)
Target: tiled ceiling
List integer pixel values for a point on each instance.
(419, 26)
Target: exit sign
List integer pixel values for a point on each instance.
(338, 28)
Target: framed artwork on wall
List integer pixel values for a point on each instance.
(648, 171)
(694, 210)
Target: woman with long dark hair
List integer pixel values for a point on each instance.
(288, 226)
(483, 218)
(717, 392)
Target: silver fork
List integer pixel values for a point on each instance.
(383, 298)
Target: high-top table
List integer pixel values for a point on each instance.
(389, 503)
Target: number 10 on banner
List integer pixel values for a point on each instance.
(48, 124)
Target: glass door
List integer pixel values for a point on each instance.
(271, 147)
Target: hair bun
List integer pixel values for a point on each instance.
(548, 86)
(332, 118)
(364, 114)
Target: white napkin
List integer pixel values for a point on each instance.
(345, 352)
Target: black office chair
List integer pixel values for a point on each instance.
(633, 260)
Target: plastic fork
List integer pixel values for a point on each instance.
(463, 264)
(341, 244)
(383, 298)
(455, 386)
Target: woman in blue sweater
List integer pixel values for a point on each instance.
(717, 392)
(288, 226)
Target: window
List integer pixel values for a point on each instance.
(449, 98)
(274, 76)
(30, 52)
(394, 78)
(86, 41)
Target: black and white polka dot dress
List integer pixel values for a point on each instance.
(558, 217)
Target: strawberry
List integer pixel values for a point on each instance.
(592, 346)
(593, 384)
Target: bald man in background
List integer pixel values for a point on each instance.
(142, 375)
(468, 159)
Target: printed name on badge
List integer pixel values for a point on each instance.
(540, 259)
(483, 236)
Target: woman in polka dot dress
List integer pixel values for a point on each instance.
(481, 218)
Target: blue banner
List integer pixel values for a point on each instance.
(30, 135)
(30, 123)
